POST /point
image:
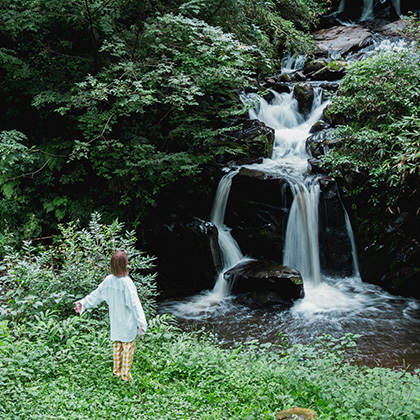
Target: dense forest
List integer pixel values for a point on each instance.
(107, 104)
(113, 113)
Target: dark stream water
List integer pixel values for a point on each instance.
(389, 325)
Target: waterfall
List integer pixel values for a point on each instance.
(301, 249)
(208, 301)
(367, 12)
(397, 6)
(368, 8)
(356, 271)
(229, 248)
(290, 161)
(332, 304)
(293, 62)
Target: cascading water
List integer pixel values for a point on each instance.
(229, 248)
(209, 301)
(290, 161)
(356, 271)
(334, 305)
(301, 249)
(367, 12)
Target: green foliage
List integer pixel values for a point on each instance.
(121, 99)
(379, 99)
(411, 29)
(52, 278)
(179, 62)
(62, 368)
(274, 26)
(15, 156)
(380, 89)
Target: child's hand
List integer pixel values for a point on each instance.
(78, 307)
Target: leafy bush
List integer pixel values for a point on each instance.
(411, 29)
(129, 96)
(42, 279)
(379, 100)
(379, 89)
(273, 26)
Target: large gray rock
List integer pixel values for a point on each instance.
(341, 40)
(269, 282)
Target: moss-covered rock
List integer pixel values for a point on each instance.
(251, 140)
(332, 71)
(313, 66)
(304, 93)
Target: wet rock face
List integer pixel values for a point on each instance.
(334, 243)
(304, 93)
(252, 141)
(265, 282)
(341, 40)
(393, 260)
(257, 212)
(354, 11)
(188, 257)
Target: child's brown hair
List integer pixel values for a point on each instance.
(119, 263)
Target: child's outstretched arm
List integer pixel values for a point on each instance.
(78, 308)
(91, 300)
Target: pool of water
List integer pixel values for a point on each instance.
(389, 326)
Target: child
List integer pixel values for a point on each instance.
(125, 312)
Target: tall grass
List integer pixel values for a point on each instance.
(56, 365)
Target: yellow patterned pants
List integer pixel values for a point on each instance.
(123, 359)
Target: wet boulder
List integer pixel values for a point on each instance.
(313, 66)
(278, 83)
(249, 141)
(285, 78)
(304, 94)
(334, 70)
(319, 126)
(299, 76)
(330, 86)
(321, 69)
(265, 282)
(318, 144)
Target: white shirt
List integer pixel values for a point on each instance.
(125, 310)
